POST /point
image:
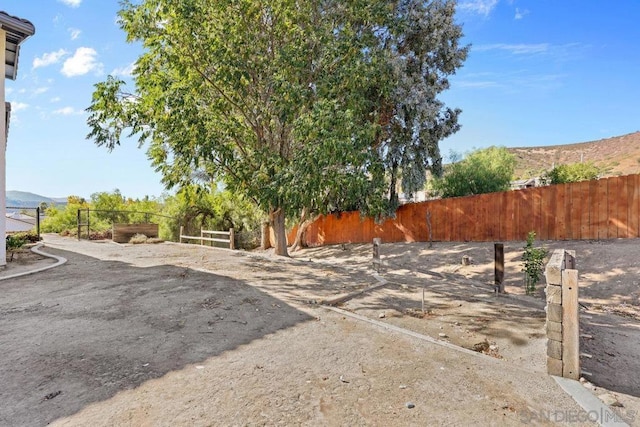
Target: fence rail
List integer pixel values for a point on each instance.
(600, 209)
(203, 233)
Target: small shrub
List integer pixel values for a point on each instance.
(533, 259)
(27, 236)
(154, 240)
(138, 238)
(100, 235)
(14, 243)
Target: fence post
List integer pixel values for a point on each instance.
(232, 236)
(38, 222)
(499, 267)
(88, 224)
(181, 233)
(376, 253)
(563, 329)
(201, 237)
(78, 224)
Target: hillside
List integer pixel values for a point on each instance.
(21, 199)
(619, 155)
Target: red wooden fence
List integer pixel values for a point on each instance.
(600, 209)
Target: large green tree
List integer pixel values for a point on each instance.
(423, 51)
(482, 171)
(288, 102)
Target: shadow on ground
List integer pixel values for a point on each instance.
(83, 332)
(611, 340)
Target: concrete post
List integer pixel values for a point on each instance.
(563, 343)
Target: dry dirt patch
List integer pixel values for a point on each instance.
(175, 335)
(461, 308)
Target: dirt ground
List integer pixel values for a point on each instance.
(171, 334)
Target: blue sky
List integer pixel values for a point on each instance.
(540, 72)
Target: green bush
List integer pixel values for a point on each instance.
(27, 236)
(195, 208)
(14, 243)
(482, 171)
(574, 172)
(533, 259)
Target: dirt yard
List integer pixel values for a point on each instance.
(182, 335)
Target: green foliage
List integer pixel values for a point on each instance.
(482, 171)
(27, 236)
(14, 243)
(296, 105)
(424, 41)
(108, 207)
(533, 263)
(573, 172)
(59, 219)
(65, 219)
(195, 208)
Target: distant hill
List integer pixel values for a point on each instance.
(619, 155)
(25, 199)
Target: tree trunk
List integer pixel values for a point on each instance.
(303, 225)
(393, 194)
(279, 229)
(265, 237)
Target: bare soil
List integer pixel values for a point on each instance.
(184, 335)
(619, 155)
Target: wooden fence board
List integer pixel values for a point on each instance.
(634, 206)
(551, 212)
(623, 207)
(569, 214)
(594, 209)
(537, 211)
(603, 218)
(561, 217)
(606, 208)
(528, 217)
(581, 204)
(612, 207)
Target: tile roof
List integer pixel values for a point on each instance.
(17, 30)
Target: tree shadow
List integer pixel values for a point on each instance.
(89, 329)
(613, 342)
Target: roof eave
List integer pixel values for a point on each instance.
(19, 30)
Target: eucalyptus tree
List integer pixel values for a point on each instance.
(424, 50)
(284, 101)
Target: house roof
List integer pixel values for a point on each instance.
(17, 30)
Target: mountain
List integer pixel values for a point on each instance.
(615, 156)
(21, 199)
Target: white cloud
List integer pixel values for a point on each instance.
(521, 13)
(82, 62)
(40, 90)
(71, 3)
(482, 7)
(74, 32)
(55, 99)
(516, 49)
(512, 82)
(125, 71)
(17, 106)
(68, 111)
(49, 58)
(480, 84)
